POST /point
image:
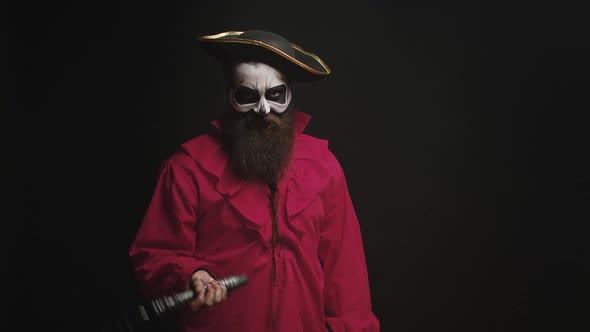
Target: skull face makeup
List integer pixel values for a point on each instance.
(259, 87)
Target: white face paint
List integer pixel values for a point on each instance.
(259, 87)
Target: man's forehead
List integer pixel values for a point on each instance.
(257, 70)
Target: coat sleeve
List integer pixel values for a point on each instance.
(162, 253)
(346, 285)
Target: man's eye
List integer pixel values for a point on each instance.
(277, 94)
(246, 95)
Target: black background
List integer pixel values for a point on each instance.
(462, 130)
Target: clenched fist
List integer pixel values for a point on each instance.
(216, 292)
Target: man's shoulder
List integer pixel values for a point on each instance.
(317, 149)
(308, 144)
(202, 144)
(200, 149)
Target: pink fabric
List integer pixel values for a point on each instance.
(203, 216)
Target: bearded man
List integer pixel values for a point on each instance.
(257, 197)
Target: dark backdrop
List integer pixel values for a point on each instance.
(462, 131)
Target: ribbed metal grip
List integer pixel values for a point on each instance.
(232, 282)
(154, 309)
(165, 304)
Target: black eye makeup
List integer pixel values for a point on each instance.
(245, 95)
(278, 94)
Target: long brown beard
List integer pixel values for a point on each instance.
(260, 147)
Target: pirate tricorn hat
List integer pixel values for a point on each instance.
(268, 47)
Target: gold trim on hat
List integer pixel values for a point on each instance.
(221, 35)
(216, 38)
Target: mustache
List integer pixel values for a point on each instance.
(267, 119)
(258, 121)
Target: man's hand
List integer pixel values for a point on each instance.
(216, 292)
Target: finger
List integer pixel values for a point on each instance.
(198, 302)
(218, 292)
(210, 295)
(198, 286)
